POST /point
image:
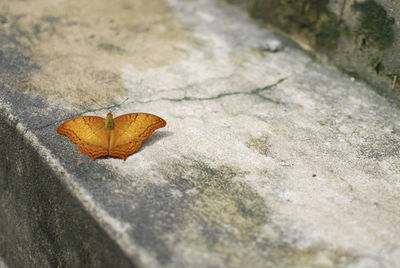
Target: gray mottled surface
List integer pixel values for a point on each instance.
(269, 158)
(2, 264)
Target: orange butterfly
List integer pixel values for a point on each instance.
(118, 137)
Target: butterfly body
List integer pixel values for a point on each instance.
(117, 137)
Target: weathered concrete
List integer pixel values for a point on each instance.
(2, 264)
(269, 158)
(362, 37)
(43, 224)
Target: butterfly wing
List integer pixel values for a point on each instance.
(130, 130)
(89, 134)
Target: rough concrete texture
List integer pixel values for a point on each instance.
(2, 264)
(362, 37)
(269, 158)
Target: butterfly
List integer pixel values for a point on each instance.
(117, 137)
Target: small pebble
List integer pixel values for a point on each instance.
(273, 45)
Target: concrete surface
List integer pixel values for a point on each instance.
(362, 37)
(269, 158)
(2, 264)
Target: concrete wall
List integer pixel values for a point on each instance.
(42, 224)
(360, 37)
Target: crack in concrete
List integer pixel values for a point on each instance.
(256, 92)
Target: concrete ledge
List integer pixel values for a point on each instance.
(269, 157)
(42, 224)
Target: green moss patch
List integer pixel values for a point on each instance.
(375, 24)
(328, 35)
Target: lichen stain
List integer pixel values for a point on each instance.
(70, 40)
(260, 144)
(203, 206)
(211, 216)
